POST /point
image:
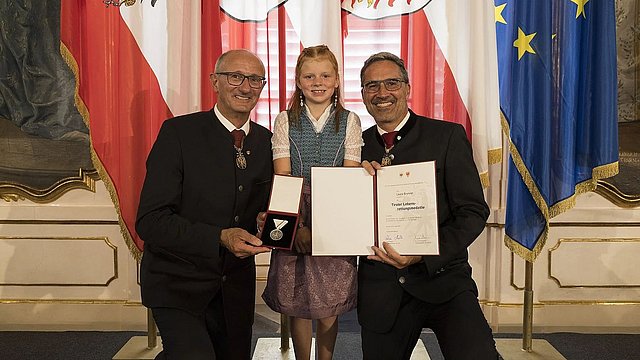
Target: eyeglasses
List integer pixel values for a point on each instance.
(236, 79)
(390, 84)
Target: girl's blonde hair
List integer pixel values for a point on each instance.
(314, 53)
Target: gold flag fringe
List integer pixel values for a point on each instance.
(484, 179)
(84, 112)
(523, 252)
(599, 172)
(495, 156)
(73, 65)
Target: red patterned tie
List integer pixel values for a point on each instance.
(388, 139)
(238, 136)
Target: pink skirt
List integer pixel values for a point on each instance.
(311, 287)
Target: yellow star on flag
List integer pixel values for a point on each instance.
(580, 9)
(498, 13)
(523, 43)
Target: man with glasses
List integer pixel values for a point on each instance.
(399, 295)
(208, 176)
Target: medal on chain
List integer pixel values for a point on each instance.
(276, 234)
(241, 160)
(389, 142)
(386, 159)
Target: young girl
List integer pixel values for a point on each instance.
(315, 131)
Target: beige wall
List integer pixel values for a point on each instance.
(65, 265)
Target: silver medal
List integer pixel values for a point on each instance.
(276, 234)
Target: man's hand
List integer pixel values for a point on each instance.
(241, 243)
(302, 242)
(371, 167)
(390, 256)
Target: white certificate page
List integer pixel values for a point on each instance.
(342, 211)
(407, 210)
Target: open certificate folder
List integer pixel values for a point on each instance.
(352, 210)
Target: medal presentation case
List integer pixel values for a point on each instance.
(283, 212)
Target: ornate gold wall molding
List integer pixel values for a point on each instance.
(562, 241)
(616, 196)
(85, 180)
(513, 284)
(71, 302)
(544, 303)
(106, 240)
(59, 222)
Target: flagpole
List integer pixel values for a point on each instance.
(152, 331)
(141, 347)
(527, 313)
(513, 349)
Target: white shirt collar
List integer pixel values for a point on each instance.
(228, 124)
(319, 122)
(404, 121)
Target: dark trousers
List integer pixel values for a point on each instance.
(459, 324)
(199, 336)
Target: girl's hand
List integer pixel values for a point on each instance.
(302, 242)
(260, 220)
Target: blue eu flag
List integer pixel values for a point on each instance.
(558, 95)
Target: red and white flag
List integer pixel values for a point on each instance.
(449, 47)
(465, 33)
(137, 66)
